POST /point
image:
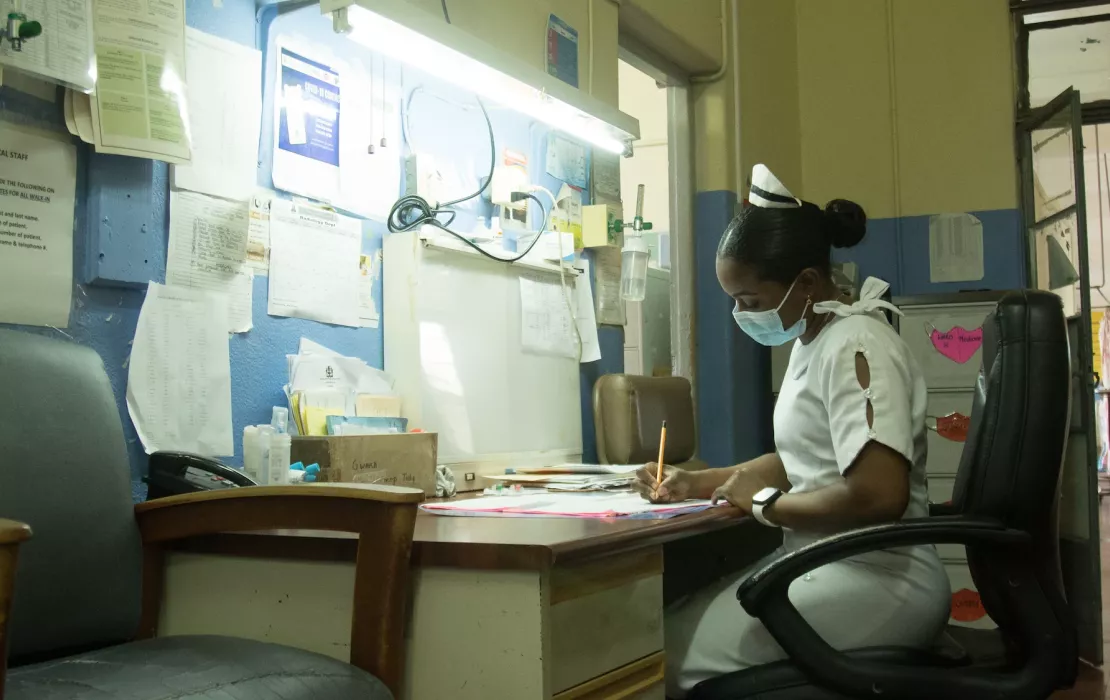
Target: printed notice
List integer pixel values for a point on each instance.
(208, 250)
(955, 248)
(179, 374)
(140, 103)
(63, 52)
(306, 115)
(38, 175)
(314, 264)
(566, 160)
(369, 267)
(258, 235)
(545, 323)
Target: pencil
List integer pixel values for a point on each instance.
(659, 464)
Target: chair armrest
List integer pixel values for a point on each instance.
(939, 510)
(336, 507)
(12, 533)
(383, 516)
(765, 595)
(777, 576)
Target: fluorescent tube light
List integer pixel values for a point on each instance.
(425, 42)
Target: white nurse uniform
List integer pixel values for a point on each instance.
(898, 597)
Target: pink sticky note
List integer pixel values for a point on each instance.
(958, 344)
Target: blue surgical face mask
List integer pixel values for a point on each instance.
(765, 327)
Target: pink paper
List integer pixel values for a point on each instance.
(958, 344)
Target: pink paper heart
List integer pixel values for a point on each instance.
(958, 344)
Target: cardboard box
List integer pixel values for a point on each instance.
(407, 459)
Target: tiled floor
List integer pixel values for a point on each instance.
(1092, 685)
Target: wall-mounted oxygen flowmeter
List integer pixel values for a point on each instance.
(635, 254)
(18, 28)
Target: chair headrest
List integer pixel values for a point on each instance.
(629, 410)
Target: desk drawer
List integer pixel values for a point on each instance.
(942, 372)
(604, 616)
(944, 454)
(940, 491)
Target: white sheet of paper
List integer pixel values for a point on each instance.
(618, 503)
(367, 308)
(207, 250)
(587, 321)
(63, 52)
(179, 376)
(38, 176)
(67, 112)
(82, 116)
(225, 114)
(314, 256)
(955, 248)
(140, 104)
(545, 323)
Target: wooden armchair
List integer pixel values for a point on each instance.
(88, 585)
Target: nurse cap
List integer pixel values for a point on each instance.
(767, 192)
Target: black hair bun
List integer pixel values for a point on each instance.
(845, 223)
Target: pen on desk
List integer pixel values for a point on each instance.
(659, 464)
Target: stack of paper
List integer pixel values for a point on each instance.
(566, 482)
(567, 505)
(324, 383)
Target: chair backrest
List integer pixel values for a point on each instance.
(64, 470)
(628, 412)
(1011, 464)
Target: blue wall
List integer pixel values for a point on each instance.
(122, 217)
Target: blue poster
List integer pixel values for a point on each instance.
(309, 109)
(562, 51)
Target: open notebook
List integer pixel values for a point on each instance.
(567, 505)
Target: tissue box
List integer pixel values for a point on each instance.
(408, 459)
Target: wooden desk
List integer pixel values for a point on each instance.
(513, 608)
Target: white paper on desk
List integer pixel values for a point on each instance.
(63, 52)
(545, 323)
(207, 250)
(38, 179)
(314, 257)
(587, 322)
(179, 375)
(565, 504)
(225, 112)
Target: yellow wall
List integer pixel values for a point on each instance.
(907, 105)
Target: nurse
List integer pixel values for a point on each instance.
(849, 448)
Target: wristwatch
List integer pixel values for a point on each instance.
(764, 499)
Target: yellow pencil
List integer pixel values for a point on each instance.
(659, 464)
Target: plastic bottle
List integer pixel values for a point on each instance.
(280, 444)
(252, 453)
(279, 420)
(265, 433)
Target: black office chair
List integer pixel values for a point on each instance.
(1002, 510)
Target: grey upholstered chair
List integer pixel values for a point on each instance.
(81, 567)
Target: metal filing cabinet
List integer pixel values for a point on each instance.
(930, 323)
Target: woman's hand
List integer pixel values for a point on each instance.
(677, 484)
(739, 490)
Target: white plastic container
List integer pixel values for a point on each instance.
(634, 266)
(280, 445)
(252, 453)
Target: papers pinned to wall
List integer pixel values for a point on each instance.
(225, 111)
(207, 250)
(545, 322)
(140, 104)
(369, 268)
(955, 248)
(64, 51)
(586, 319)
(610, 306)
(258, 235)
(314, 264)
(179, 374)
(566, 160)
(38, 176)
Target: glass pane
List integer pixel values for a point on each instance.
(1077, 56)
(1058, 260)
(1053, 167)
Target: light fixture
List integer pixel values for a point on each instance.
(425, 41)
